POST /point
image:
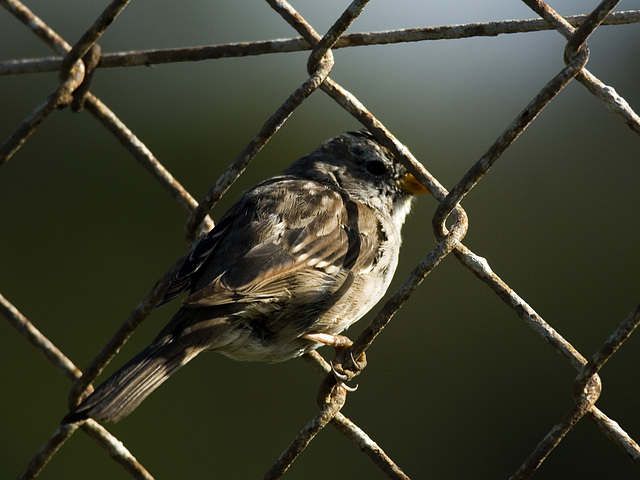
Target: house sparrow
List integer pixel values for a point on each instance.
(297, 260)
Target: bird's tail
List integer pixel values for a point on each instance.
(121, 393)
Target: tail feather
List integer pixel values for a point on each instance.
(121, 393)
(189, 332)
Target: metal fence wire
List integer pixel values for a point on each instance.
(79, 62)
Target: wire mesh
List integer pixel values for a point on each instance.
(76, 65)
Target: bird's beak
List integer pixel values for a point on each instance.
(411, 184)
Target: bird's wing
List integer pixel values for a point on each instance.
(182, 279)
(307, 247)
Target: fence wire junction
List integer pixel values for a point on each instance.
(77, 64)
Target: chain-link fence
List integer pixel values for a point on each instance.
(405, 383)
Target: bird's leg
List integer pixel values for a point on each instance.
(341, 344)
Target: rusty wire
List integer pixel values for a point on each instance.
(231, 50)
(75, 73)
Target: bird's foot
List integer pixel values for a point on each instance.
(342, 371)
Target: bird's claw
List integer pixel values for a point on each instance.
(341, 344)
(342, 379)
(359, 367)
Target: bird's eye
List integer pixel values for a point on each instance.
(376, 167)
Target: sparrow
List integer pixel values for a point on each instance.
(294, 262)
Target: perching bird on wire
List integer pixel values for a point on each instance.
(297, 260)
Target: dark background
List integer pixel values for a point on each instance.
(457, 386)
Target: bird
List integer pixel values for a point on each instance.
(293, 263)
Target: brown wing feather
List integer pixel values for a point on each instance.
(297, 240)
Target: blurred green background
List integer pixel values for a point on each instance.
(457, 386)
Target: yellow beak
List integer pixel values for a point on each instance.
(412, 185)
